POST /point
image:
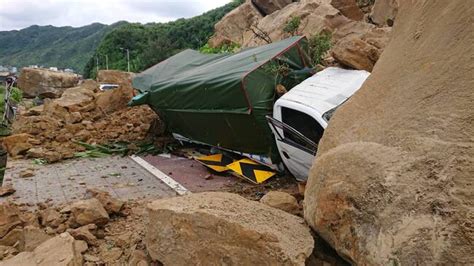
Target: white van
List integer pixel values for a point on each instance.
(301, 115)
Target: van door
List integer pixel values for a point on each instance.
(297, 138)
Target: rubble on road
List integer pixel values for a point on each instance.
(211, 227)
(83, 113)
(27, 236)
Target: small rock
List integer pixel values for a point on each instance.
(89, 211)
(50, 217)
(111, 255)
(27, 173)
(111, 205)
(6, 190)
(138, 257)
(86, 233)
(282, 201)
(91, 258)
(81, 246)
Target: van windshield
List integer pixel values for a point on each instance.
(303, 123)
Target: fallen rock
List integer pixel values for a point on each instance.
(215, 227)
(111, 255)
(111, 204)
(50, 217)
(86, 233)
(51, 84)
(7, 251)
(115, 99)
(267, 7)
(234, 25)
(9, 218)
(358, 44)
(356, 53)
(115, 77)
(89, 211)
(17, 144)
(392, 184)
(27, 173)
(282, 201)
(81, 246)
(59, 251)
(6, 190)
(32, 237)
(384, 12)
(348, 8)
(138, 258)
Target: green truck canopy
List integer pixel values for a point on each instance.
(222, 100)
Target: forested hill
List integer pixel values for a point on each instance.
(151, 43)
(63, 47)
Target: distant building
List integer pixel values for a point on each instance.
(53, 68)
(3, 76)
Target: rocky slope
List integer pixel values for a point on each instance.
(392, 181)
(356, 42)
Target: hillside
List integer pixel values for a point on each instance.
(63, 47)
(154, 42)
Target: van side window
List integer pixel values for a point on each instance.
(303, 123)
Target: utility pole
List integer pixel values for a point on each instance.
(128, 57)
(97, 62)
(107, 62)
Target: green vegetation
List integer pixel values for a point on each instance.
(154, 42)
(292, 25)
(63, 47)
(225, 48)
(318, 45)
(16, 97)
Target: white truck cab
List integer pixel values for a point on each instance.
(301, 115)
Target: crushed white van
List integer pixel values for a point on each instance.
(301, 115)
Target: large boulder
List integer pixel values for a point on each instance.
(266, 7)
(245, 25)
(232, 27)
(384, 12)
(60, 250)
(348, 8)
(359, 44)
(222, 228)
(392, 181)
(315, 16)
(42, 82)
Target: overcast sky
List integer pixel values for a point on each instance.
(18, 14)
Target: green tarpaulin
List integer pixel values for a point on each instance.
(222, 100)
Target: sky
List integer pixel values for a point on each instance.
(18, 14)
